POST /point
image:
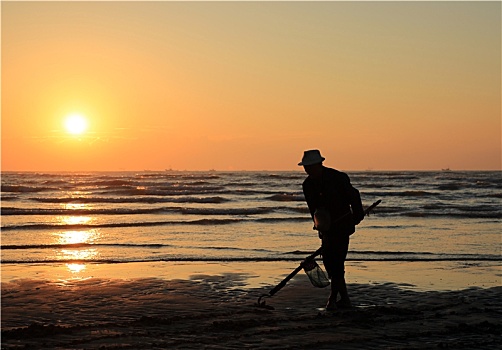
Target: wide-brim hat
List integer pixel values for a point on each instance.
(311, 157)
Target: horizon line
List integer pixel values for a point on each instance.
(243, 170)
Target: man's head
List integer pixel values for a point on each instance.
(312, 162)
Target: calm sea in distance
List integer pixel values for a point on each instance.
(128, 217)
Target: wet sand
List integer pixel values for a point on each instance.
(219, 311)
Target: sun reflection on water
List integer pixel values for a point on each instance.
(75, 237)
(81, 251)
(75, 220)
(76, 268)
(78, 254)
(74, 206)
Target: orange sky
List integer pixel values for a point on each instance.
(250, 85)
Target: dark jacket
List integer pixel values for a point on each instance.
(335, 192)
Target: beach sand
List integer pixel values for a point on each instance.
(218, 311)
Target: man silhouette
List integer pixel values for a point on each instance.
(330, 196)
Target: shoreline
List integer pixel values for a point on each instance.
(415, 275)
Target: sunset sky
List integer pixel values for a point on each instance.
(250, 85)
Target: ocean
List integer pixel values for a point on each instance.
(76, 219)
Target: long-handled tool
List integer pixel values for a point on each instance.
(308, 259)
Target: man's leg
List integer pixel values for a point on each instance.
(341, 287)
(339, 280)
(331, 305)
(335, 265)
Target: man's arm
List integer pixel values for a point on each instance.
(307, 192)
(356, 205)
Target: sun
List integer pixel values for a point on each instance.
(75, 124)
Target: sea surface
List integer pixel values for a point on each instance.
(127, 217)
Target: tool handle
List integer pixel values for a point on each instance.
(368, 210)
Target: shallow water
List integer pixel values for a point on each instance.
(72, 220)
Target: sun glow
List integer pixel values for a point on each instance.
(75, 124)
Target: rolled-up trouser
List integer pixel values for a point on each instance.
(334, 252)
